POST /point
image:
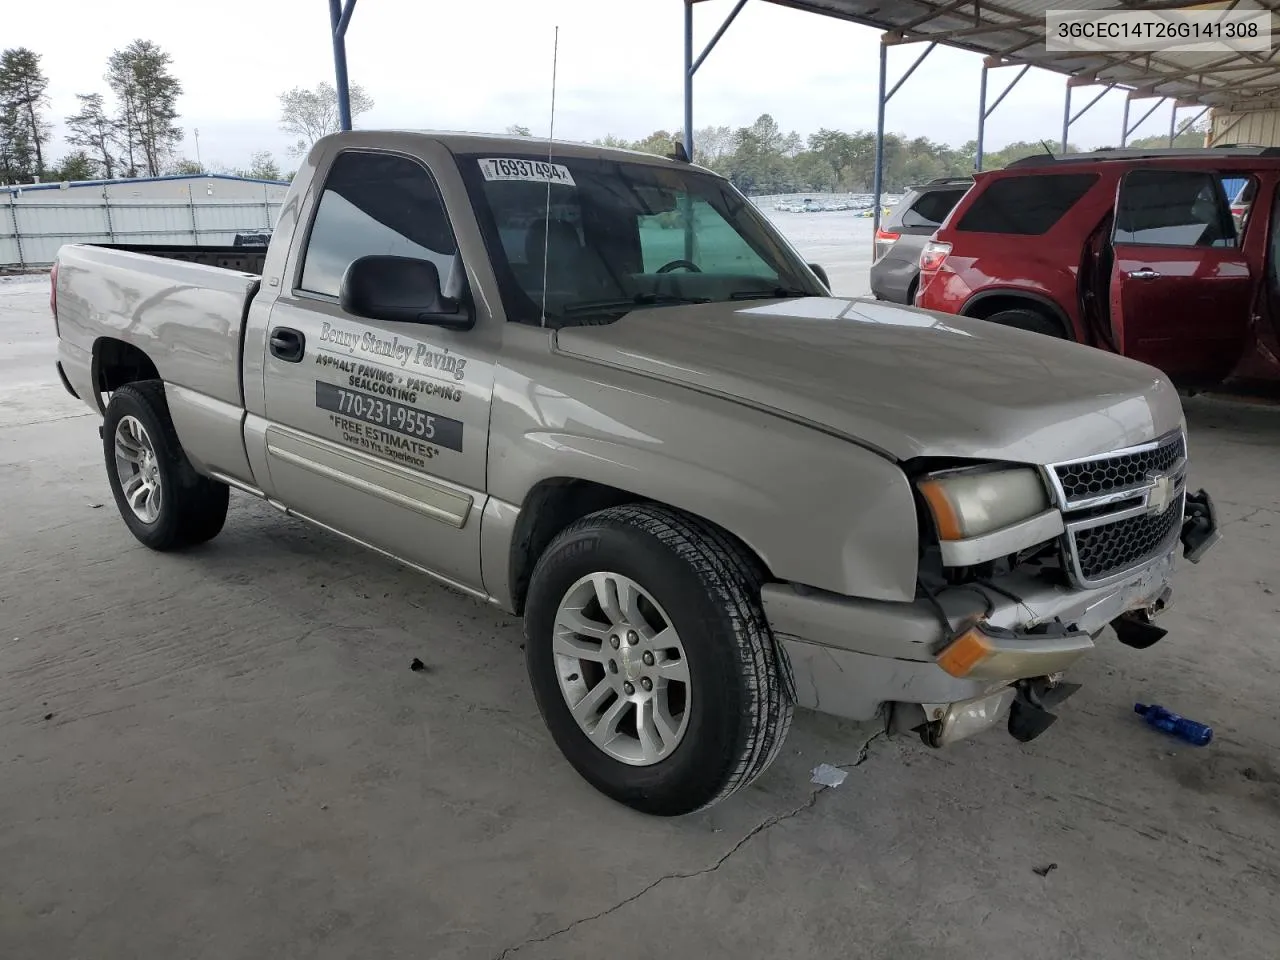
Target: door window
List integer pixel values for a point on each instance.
(1173, 208)
(375, 203)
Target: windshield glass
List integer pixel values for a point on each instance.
(621, 235)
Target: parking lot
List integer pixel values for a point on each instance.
(223, 753)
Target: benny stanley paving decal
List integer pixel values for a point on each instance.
(378, 409)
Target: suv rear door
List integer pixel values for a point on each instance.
(1181, 289)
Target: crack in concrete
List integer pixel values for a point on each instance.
(765, 824)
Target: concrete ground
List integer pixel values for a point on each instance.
(224, 754)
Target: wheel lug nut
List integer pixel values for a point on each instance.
(632, 637)
(647, 658)
(629, 688)
(613, 666)
(646, 683)
(614, 641)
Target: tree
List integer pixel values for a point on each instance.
(186, 167)
(309, 115)
(93, 129)
(609, 140)
(711, 145)
(76, 166)
(262, 166)
(516, 130)
(17, 160)
(660, 142)
(139, 75)
(23, 101)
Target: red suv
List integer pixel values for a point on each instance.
(1135, 252)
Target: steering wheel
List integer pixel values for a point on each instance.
(678, 264)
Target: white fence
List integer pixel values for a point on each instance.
(32, 229)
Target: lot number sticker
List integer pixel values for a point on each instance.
(529, 171)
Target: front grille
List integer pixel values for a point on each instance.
(1118, 472)
(1121, 545)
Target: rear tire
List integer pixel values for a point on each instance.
(700, 591)
(161, 498)
(1025, 318)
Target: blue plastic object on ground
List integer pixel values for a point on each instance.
(1196, 734)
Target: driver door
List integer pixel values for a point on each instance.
(379, 429)
(1181, 291)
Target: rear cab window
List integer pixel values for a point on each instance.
(1173, 208)
(1025, 205)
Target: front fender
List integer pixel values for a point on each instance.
(816, 509)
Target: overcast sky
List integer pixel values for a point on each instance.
(483, 64)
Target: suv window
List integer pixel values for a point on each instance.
(375, 203)
(1028, 205)
(1173, 208)
(932, 208)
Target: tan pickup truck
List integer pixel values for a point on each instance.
(599, 390)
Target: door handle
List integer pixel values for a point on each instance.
(287, 344)
(1143, 273)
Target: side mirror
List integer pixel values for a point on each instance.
(822, 275)
(400, 290)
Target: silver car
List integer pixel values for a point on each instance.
(903, 234)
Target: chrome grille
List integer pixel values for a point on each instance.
(1112, 508)
(1118, 472)
(1121, 545)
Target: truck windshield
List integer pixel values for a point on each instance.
(588, 240)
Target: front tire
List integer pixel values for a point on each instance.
(651, 660)
(163, 501)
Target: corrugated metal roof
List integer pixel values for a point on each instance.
(1014, 31)
(57, 184)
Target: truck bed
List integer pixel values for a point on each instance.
(247, 259)
(184, 312)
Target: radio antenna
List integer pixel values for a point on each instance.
(546, 222)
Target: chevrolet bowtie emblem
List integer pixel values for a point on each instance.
(1161, 493)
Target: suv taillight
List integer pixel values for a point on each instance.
(933, 255)
(884, 239)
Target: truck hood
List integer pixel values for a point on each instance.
(903, 381)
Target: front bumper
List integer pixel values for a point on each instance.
(852, 658)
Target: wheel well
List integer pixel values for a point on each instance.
(554, 504)
(912, 287)
(116, 363)
(985, 307)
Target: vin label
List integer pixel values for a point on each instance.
(430, 427)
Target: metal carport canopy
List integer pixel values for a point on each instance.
(1013, 31)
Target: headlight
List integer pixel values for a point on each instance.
(968, 505)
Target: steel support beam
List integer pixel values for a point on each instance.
(1126, 130)
(883, 98)
(878, 176)
(984, 111)
(339, 19)
(691, 64)
(1188, 124)
(1068, 118)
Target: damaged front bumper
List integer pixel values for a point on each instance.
(973, 655)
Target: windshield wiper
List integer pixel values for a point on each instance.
(626, 303)
(777, 293)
